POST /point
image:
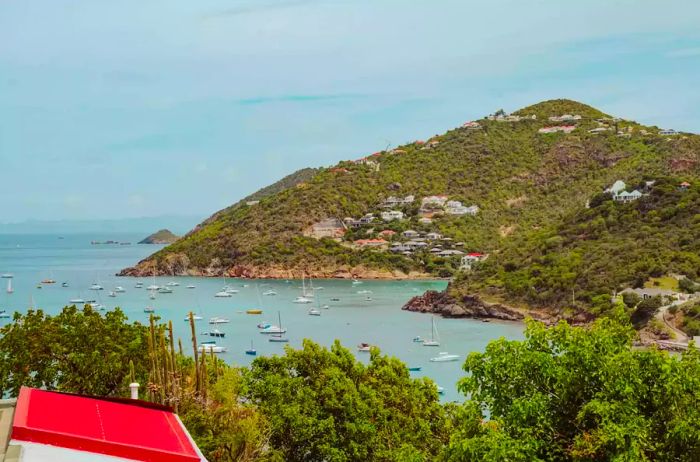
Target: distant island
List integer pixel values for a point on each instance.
(164, 236)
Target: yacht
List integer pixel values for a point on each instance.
(364, 347)
(195, 317)
(434, 340)
(356, 282)
(119, 289)
(314, 312)
(76, 301)
(65, 284)
(302, 299)
(218, 320)
(270, 329)
(99, 307)
(230, 290)
(270, 292)
(153, 287)
(152, 296)
(139, 285)
(222, 294)
(444, 357)
(190, 286)
(96, 287)
(368, 298)
(209, 348)
(172, 284)
(4, 314)
(277, 336)
(165, 290)
(440, 390)
(149, 309)
(7, 276)
(112, 294)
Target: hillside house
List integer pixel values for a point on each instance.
(436, 249)
(425, 220)
(371, 243)
(668, 132)
(251, 203)
(330, 227)
(651, 292)
(365, 220)
(456, 208)
(410, 234)
(433, 236)
(469, 259)
(684, 186)
(565, 118)
(401, 248)
(392, 215)
(415, 244)
(471, 125)
(431, 144)
(339, 170)
(558, 128)
(450, 253)
(433, 202)
(393, 201)
(387, 233)
(625, 196)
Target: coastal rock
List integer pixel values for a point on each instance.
(163, 236)
(469, 306)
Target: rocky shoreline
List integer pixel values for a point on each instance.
(252, 272)
(470, 306)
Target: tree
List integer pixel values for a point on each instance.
(631, 299)
(324, 405)
(78, 350)
(578, 394)
(688, 286)
(645, 310)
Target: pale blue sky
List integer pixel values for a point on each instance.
(147, 107)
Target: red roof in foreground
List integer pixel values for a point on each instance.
(475, 254)
(121, 429)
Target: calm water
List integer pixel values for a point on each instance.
(353, 319)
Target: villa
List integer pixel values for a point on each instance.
(625, 196)
(450, 253)
(410, 234)
(425, 220)
(456, 208)
(471, 125)
(393, 201)
(434, 236)
(392, 215)
(469, 259)
(668, 132)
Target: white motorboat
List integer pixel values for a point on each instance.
(195, 317)
(190, 286)
(362, 292)
(119, 289)
(356, 282)
(222, 294)
(444, 357)
(218, 320)
(96, 287)
(7, 276)
(364, 347)
(302, 299)
(314, 312)
(165, 290)
(209, 348)
(152, 296)
(172, 284)
(112, 294)
(76, 301)
(269, 292)
(138, 285)
(153, 287)
(149, 309)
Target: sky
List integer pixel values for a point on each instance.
(177, 107)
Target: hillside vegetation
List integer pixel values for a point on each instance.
(530, 189)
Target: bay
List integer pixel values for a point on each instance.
(353, 319)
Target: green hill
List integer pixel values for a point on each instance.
(164, 236)
(525, 184)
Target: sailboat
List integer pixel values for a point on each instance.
(251, 351)
(306, 296)
(434, 341)
(9, 286)
(278, 337)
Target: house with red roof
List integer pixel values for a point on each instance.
(387, 233)
(469, 259)
(42, 426)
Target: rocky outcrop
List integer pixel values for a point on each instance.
(469, 306)
(163, 236)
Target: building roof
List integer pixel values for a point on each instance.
(50, 422)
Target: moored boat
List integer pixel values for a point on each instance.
(254, 311)
(364, 347)
(444, 357)
(218, 320)
(222, 294)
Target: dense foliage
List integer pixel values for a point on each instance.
(575, 394)
(78, 350)
(324, 405)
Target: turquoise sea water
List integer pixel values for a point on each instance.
(353, 319)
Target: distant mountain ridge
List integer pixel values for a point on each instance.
(180, 224)
(475, 190)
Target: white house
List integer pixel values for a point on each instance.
(410, 234)
(433, 202)
(625, 196)
(456, 208)
(393, 201)
(434, 236)
(392, 215)
(471, 258)
(668, 131)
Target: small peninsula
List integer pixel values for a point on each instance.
(164, 236)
